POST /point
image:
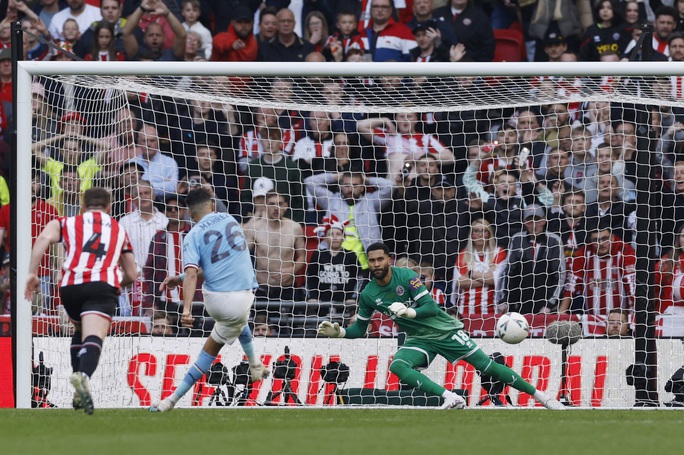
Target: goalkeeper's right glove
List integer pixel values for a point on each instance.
(331, 330)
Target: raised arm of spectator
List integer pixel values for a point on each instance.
(384, 186)
(38, 147)
(318, 186)
(365, 127)
(35, 20)
(178, 30)
(472, 184)
(130, 42)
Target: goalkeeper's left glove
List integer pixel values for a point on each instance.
(402, 310)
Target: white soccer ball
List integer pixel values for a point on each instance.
(512, 328)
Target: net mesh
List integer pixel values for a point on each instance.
(455, 174)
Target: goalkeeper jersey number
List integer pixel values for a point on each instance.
(406, 287)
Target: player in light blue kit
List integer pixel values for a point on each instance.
(217, 245)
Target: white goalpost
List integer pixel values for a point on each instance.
(438, 146)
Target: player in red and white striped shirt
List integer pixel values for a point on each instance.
(477, 269)
(96, 246)
(604, 271)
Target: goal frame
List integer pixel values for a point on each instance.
(26, 70)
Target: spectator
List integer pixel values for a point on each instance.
(606, 163)
(471, 27)
(387, 39)
(262, 328)
(238, 43)
(581, 163)
(268, 25)
(430, 47)
(331, 275)
(280, 169)
(611, 208)
(346, 38)
(67, 201)
(6, 81)
(153, 38)
(104, 47)
(554, 46)
(634, 15)
(317, 143)
(669, 272)
(122, 144)
(477, 272)
(191, 11)
(570, 225)
(124, 191)
(165, 259)
(70, 31)
(162, 325)
(422, 12)
(352, 203)
(78, 10)
(535, 269)
(160, 170)
(251, 147)
(47, 9)
(33, 28)
(617, 324)
(603, 275)
(277, 244)
(285, 46)
(608, 33)
(504, 209)
(141, 225)
(71, 153)
(343, 156)
(110, 10)
(42, 212)
(432, 235)
(402, 141)
(196, 180)
(666, 19)
(316, 30)
(224, 186)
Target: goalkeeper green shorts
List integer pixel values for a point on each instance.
(419, 353)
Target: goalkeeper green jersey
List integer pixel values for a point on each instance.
(431, 322)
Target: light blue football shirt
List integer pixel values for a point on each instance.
(218, 245)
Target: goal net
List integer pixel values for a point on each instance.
(552, 191)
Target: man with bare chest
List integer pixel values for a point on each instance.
(279, 248)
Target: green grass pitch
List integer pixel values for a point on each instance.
(341, 431)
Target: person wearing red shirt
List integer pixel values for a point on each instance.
(238, 43)
(41, 214)
(669, 278)
(603, 271)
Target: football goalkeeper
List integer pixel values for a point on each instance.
(400, 294)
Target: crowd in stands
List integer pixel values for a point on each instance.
(529, 209)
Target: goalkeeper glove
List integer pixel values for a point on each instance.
(331, 330)
(402, 310)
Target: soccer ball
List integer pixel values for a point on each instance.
(512, 328)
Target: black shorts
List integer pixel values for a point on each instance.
(97, 297)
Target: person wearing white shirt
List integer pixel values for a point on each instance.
(141, 225)
(82, 13)
(191, 12)
(160, 170)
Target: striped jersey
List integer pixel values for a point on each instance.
(483, 299)
(412, 144)
(94, 241)
(607, 282)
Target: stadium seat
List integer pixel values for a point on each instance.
(510, 46)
